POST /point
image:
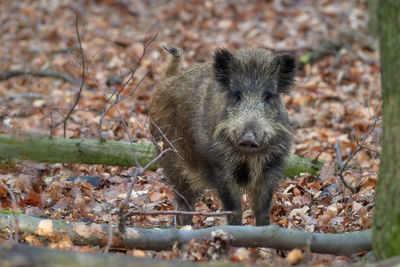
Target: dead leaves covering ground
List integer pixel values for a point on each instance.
(336, 98)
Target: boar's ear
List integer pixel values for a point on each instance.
(222, 65)
(286, 71)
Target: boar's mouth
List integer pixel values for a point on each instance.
(248, 149)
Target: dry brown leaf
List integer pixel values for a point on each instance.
(295, 256)
(155, 196)
(328, 170)
(356, 207)
(33, 240)
(331, 211)
(81, 229)
(64, 243)
(139, 253)
(45, 228)
(297, 212)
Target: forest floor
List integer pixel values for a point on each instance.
(337, 98)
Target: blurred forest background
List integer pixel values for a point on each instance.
(336, 104)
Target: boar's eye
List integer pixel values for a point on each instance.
(267, 97)
(236, 97)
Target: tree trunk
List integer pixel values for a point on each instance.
(386, 226)
(373, 17)
(60, 150)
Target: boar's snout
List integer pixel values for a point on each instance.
(248, 144)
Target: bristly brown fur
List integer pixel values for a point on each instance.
(230, 126)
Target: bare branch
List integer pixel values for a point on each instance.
(174, 190)
(14, 210)
(109, 241)
(360, 145)
(155, 159)
(122, 217)
(117, 101)
(136, 86)
(82, 78)
(51, 125)
(370, 149)
(138, 171)
(122, 120)
(103, 114)
(338, 154)
(166, 139)
(134, 69)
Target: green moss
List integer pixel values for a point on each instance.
(297, 164)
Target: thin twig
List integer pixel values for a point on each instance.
(342, 167)
(14, 210)
(138, 171)
(370, 149)
(180, 212)
(82, 77)
(109, 241)
(122, 120)
(51, 125)
(175, 191)
(156, 158)
(117, 93)
(122, 217)
(134, 68)
(166, 139)
(137, 85)
(28, 91)
(103, 114)
(360, 145)
(338, 154)
(114, 104)
(117, 101)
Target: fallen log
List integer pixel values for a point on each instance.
(109, 152)
(271, 236)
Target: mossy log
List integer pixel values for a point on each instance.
(61, 150)
(116, 153)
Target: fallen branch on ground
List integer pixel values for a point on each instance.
(5, 75)
(271, 236)
(178, 212)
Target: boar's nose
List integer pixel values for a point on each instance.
(248, 142)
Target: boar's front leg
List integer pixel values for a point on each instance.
(231, 200)
(261, 194)
(186, 193)
(182, 204)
